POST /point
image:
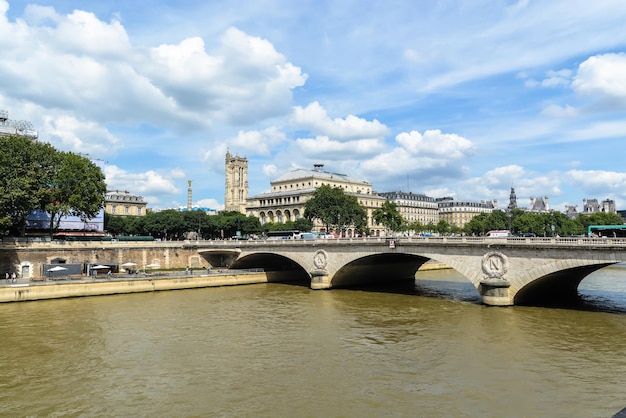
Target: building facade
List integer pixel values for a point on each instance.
(592, 206)
(124, 204)
(236, 190)
(414, 207)
(290, 192)
(459, 212)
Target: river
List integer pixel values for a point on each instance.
(280, 350)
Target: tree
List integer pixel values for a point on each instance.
(416, 226)
(600, 218)
(26, 169)
(388, 216)
(477, 225)
(76, 187)
(303, 224)
(527, 223)
(443, 227)
(335, 209)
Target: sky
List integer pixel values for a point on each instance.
(458, 98)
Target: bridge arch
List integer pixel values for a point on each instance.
(558, 284)
(278, 268)
(378, 268)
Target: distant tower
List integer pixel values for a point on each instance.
(188, 194)
(236, 191)
(512, 200)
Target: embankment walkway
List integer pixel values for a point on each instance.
(24, 290)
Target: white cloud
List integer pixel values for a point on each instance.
(96, 38)
(77, 63)
(603, 76)
(435, 144)
(496, 184)
(431, 157)
(315, 118)
(242, 81)
(557, 78)
(78, 136)
(258, 142)
(270, 170)
(152, 185)
(325, 148)
(593, 182)
(210, 203)
(560, 111)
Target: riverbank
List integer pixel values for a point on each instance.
(70, 287)
(30, 291)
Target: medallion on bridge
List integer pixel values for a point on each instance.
(495, 265)
(320, 259)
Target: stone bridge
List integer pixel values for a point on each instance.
(505, 271)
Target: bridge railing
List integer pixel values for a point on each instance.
(534, 241)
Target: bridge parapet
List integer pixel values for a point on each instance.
(525, 241)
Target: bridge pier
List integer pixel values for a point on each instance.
(495, 292)
(319, 279)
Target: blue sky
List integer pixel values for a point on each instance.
(448, 98)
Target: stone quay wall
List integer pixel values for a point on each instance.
(28, 260)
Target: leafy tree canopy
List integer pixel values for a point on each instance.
(34, 175)
(335, 209)
(388, 216)
(172, 224)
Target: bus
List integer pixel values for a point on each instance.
(277, 235)
(607, 231)
(501, 233)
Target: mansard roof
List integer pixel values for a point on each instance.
(302, 173)
(116, 196)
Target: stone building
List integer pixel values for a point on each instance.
(124, 204)
(459, 212)
(290, 192)
(539, 205)
(512, 200)
(236, 190)
(414, 207)
(592, 206)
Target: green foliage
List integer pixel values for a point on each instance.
(600, 218)
(175, 225)
(388, 216)
(34, 175)
(443, 227)
(416, 226)
(540, 224)
(477, 225)
(335, 209)
(303, 224)
(76, 187)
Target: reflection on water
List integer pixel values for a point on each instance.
(605, 290)
(282, 351)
